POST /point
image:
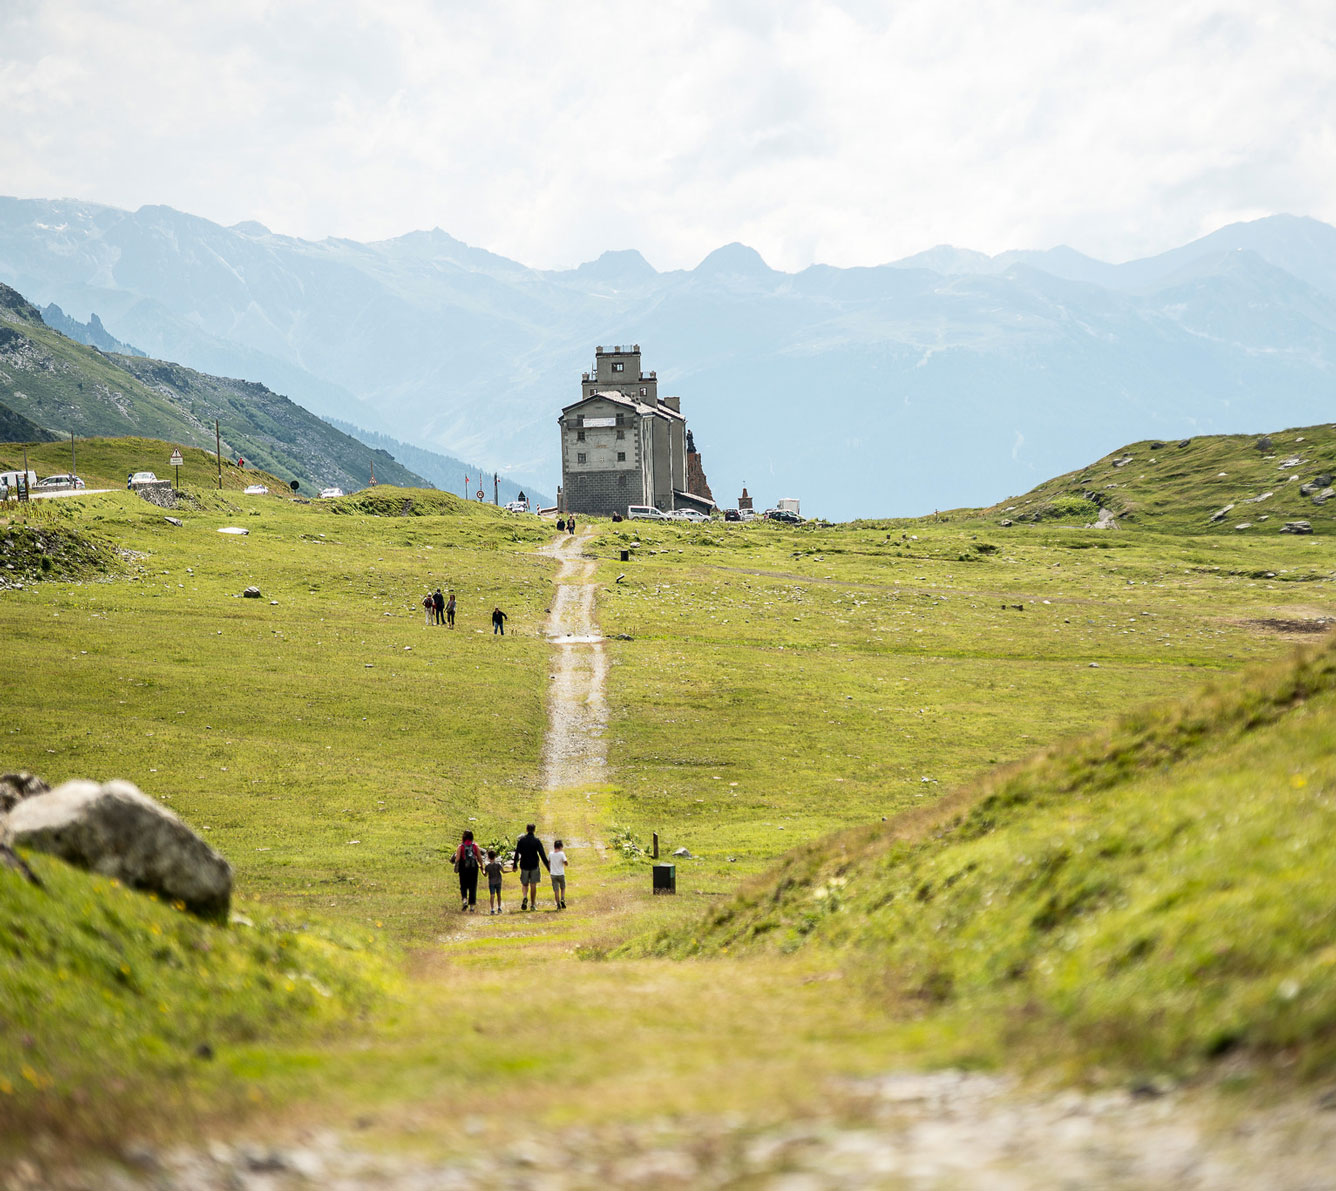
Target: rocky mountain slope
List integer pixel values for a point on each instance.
(948, 376)
(67, 387)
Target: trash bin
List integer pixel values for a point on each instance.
(626, 556)
(665, 878)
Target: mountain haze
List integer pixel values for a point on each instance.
(948, 377)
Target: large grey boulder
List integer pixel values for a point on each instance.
(1296, 527)
(115, 830)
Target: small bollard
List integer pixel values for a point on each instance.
(656, 845)
(665, 878)
(626, 556)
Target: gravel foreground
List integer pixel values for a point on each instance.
(944, 1131)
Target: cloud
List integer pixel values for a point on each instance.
(850, 133)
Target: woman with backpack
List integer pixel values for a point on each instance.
(468, 862)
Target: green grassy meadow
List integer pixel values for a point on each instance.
(827, 717)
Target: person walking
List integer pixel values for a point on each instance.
(498, 622)
(438, 603)
(557, 867)
(493, 870)
(570, 525)
(450, 610)
(529, 854)
(561, 522)
(468, 862)
(429, 605)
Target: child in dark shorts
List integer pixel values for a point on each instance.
(493, 870)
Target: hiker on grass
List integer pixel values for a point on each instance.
(438, 603)
(561, 522)
(468, 862)
(570, 525)
(493, 870)
(557, 867)
(450, 610)
(430, 605)
(498, 622)
(529, 854)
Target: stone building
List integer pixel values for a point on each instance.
(622, 444)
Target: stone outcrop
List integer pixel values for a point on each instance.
(115, 830)
(15, 787)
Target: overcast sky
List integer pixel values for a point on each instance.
(849, 132)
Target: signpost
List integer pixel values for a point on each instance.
(175, 461)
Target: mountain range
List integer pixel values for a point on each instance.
(948, 377)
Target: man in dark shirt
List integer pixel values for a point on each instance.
(529, 854)
(438, 603)
(498, 622)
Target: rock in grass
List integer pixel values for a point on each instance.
(15, 787)
(682, 852)
(1220, 514)
(174, 521)
(251, 593)
(1296, 527)
(115, 830)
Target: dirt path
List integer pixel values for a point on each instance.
(575, 745)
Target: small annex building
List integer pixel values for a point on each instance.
(622, 445)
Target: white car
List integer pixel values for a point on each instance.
(141, 477)
(61, 481)
(517, 506)
(330, 493)
(259, 490)
(645, 513)
(689, 515)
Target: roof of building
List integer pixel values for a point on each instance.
(617, 398)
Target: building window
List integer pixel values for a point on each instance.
(579, 436)
(621, 456)
(621, 434)
(579, 419)
(618, 366)
(580, 457)
(644, 392)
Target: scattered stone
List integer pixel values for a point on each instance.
(1257, 500)
(1221, 514)
(1187, 442)
(1321, 498)
(234, 529)
(1006, 523)
(1244, 525)
(1263, 443)
(1094, 665)
(682, 852)
(251, 593)
(1296, 527)
(1106, 520)
(1292, 461)
(174, 521)
(115, 830)
(1123, 462)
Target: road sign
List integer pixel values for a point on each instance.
(480, 496)
(175, 460)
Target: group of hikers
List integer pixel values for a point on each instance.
(565, 524)
(528, 855)
(441, 610)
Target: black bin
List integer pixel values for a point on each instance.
(665, 878)
(626, 556)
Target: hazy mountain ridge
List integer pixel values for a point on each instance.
(944, 377)
(62, 385)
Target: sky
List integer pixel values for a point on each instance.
(848, 132)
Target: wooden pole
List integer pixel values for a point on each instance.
(656, 845)
(74, 469)
(218, 450)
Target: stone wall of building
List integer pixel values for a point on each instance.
(600, 493)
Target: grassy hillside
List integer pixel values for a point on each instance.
(1155, 895)
(15, 427)
(68, 387)
(774, 694)
(1181, 486)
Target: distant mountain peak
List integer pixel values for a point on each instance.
(618, 264)
(250, 227)
(733, 259)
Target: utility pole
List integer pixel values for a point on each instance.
(218, 450)
(466, 487)
(496, 489)
(74, 470)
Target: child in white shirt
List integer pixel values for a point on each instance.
(557, 866)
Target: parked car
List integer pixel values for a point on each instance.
(61, 481)
(141, 477)
(784, 516)
(330, 493)
(517, 506)
(645, 513)
(732, 515)
(256, 490)
(690, 515)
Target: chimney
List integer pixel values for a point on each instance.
(673, 403)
